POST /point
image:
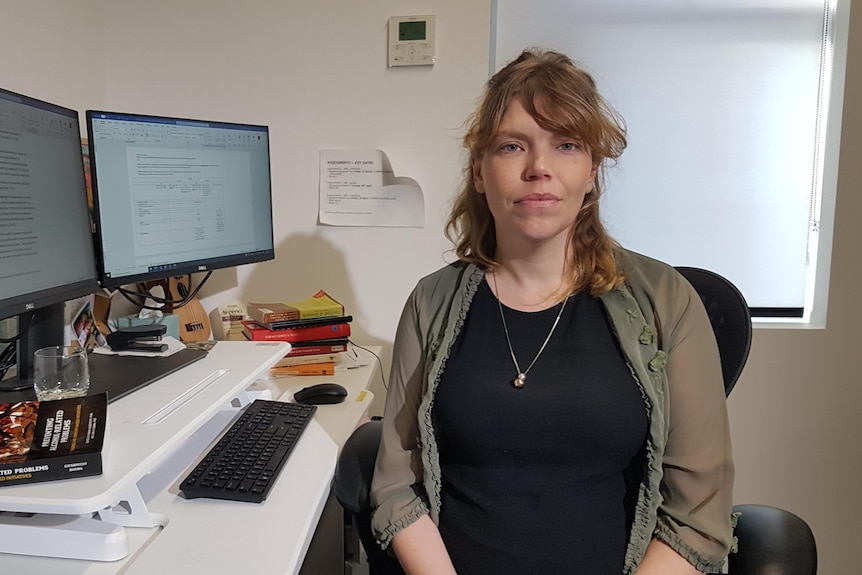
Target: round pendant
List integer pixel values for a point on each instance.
(520, 381)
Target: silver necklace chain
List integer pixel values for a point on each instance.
(519, 381)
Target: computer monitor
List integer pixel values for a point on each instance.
(46, 247)
(175, 196)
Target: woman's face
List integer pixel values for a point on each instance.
(534, 181)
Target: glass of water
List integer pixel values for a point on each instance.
(60, 372)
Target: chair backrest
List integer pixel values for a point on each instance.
(730, 318)
(352, 485)
(356, 467)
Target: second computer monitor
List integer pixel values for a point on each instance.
(46, 251)
(175, 196)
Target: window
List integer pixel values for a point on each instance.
(733, 110)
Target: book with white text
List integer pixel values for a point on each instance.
(51, 440)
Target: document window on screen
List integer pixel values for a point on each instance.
(178, 196)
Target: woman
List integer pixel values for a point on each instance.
(556, 402)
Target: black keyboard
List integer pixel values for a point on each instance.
(248, 457)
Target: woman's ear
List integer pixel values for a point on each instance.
(476, 168)
(592, 181)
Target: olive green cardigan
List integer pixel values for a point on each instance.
(684, 498)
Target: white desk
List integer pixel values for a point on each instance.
(146, 462)
(339, 420)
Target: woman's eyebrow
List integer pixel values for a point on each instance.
(510, 134)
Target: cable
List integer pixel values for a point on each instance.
(8, 356)
(7, 359)
(379, 362)
(21, 330)
(184, 297)
(128, 295)
(194, 292)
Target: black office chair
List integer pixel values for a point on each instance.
(352, 487)
(731, 321)
(771, 541)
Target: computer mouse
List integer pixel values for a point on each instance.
(321, 394)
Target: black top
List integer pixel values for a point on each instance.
(534, 479)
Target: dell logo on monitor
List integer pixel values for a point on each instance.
(202, 268)
(29, 306)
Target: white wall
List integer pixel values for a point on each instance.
(315, 73)
(53, 51)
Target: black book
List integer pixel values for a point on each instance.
(308, 322)
(50, 440)
(319, 342)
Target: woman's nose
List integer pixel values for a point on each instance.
(536, 165)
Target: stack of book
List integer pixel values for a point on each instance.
(226, 320)
(317, 329)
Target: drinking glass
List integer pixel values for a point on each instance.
(60, 372)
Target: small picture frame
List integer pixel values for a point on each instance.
(84, 329)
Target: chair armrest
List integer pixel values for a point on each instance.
(772, 541)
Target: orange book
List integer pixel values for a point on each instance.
(289, 360)
(325, 368)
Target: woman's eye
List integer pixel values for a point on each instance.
(570, 146)
(510, 147)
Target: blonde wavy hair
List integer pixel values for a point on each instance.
(561, 98)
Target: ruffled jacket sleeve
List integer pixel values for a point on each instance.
(694, 516)
(407, 465)
(694, 449)
(397, 493)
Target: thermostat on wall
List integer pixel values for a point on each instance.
(411, 41)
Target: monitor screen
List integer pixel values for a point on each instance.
(46, 246)
(176, 196)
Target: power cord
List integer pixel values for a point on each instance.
(7, 359)
(379, 362)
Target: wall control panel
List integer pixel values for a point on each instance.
(412, 41)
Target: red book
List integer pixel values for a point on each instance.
(255, 332)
